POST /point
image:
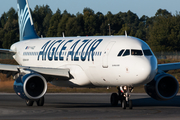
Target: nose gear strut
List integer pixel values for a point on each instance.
(122, 96)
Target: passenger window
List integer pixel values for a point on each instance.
(127, 52)
(147, 52)
(136, 52)
(121, 52)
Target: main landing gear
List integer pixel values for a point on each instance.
(122, 96)
(40, 102)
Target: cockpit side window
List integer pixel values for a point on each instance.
(136, 52)
(121, 52)
(127, 52)
(147, 52)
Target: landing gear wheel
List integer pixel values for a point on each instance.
(29, 102)
(40, 102)
(130, 104)
(123, 104)
(114, 99)
(122, 96)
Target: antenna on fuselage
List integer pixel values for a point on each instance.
(125, 33)
(63, 34)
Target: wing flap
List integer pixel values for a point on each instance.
(169, 66)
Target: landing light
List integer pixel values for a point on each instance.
(124, 88)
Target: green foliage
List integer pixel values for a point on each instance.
(90, 22)
(62, 23)
(54, 21)
(164, 33)
(41, 17)
(161, 32)
(9, 31)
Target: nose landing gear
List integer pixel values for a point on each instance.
(122, 96)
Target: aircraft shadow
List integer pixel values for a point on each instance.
(152, 102)
(142, 102)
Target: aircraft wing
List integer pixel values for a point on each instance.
(50, 72)
(168, 66)
(6, 50)
(61, 72)
(9, 69)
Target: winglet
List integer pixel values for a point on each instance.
(26, 26)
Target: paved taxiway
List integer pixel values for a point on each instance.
(88, 107)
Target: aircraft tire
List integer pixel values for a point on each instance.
(29, 102)
(130, 104)
(114, 99)
(40, 102)
(123, 104)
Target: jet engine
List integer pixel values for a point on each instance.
(31, 86)
(162, 87)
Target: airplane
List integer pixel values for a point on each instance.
(94, 61)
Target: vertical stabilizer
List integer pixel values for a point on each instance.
(26, 26)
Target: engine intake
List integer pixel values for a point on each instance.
(31, 86)
(162, 87)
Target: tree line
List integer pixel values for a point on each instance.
(161, 32)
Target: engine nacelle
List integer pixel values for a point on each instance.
(31, 86)
(162, 87)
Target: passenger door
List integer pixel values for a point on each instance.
(106, 54)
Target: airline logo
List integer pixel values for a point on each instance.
(23, 19)
(58, 50)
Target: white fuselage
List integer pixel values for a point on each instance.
(93, 61)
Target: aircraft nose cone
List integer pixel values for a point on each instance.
(146, 70)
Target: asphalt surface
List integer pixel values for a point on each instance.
(69, 106)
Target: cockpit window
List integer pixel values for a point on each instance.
(147, 52)
(127, 52)
(121, 52)
(136, 52)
